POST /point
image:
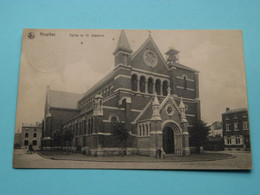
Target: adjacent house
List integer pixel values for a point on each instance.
(236, 129)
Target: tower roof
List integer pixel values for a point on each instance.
(172, 51)
(181, 106)
(156, 101)
(122, 44)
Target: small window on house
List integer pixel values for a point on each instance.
(245, 125)
(228, 127)
(26, 134)
(228, 141)
(34, 142)
(26, 142)
(244, 115)
(236, 126)
(35, 135)
(237, 140)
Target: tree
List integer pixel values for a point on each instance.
(57, 139)
(68, 137)
(199, 134)
(121, 133)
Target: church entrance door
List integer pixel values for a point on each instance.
(168, 140)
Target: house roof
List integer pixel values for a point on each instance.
(148, 112)
(178, 65)
(105, 79)
(236, 110)
(62, 99)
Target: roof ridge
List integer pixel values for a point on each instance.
(66, 92)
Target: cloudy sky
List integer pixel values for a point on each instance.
(74, 60)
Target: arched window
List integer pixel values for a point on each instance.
(158, 87)
(89, 126)
(134, 82)
(113, 120)
(185, 82)
(150, 85)
(142, 84)
(124, 103)
(85, 126)
(165, 87)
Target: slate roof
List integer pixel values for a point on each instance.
(147, 114)
(62, 99)
(184, 67)
(99, 84)
(236, 110)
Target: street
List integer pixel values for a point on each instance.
(23, 160)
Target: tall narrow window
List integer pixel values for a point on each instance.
(89, 126)
(165, 87)
(185, 82)
(85, 126)
(26, 142)
(158, 87)
(142, 84)
(150, 85)
(236, 126)
(134, 82)
(92, 125)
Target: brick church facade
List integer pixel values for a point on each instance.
(156, 98)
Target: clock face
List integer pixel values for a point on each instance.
(150, 58)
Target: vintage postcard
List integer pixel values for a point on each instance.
(132, 99)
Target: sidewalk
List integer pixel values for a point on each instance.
(55, 155)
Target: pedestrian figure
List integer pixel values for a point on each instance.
(159, 152)
(30, 148)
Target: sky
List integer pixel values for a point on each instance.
(74, 60)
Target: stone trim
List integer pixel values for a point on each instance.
(179, 87)
(138, 71)
(123, 76)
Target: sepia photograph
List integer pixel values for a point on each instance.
(132, 99)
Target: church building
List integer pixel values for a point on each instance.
(156, 97)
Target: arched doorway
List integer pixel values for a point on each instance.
(168, 140)
(172, 138)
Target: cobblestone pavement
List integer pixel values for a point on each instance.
(241, 160)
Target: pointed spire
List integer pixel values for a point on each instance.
(156, 101)
(181, 105)
(123, 44)
(183, 110)
(156, 110)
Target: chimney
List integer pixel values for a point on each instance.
(227, 109)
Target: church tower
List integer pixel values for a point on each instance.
(123, 50)
(172, 59)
